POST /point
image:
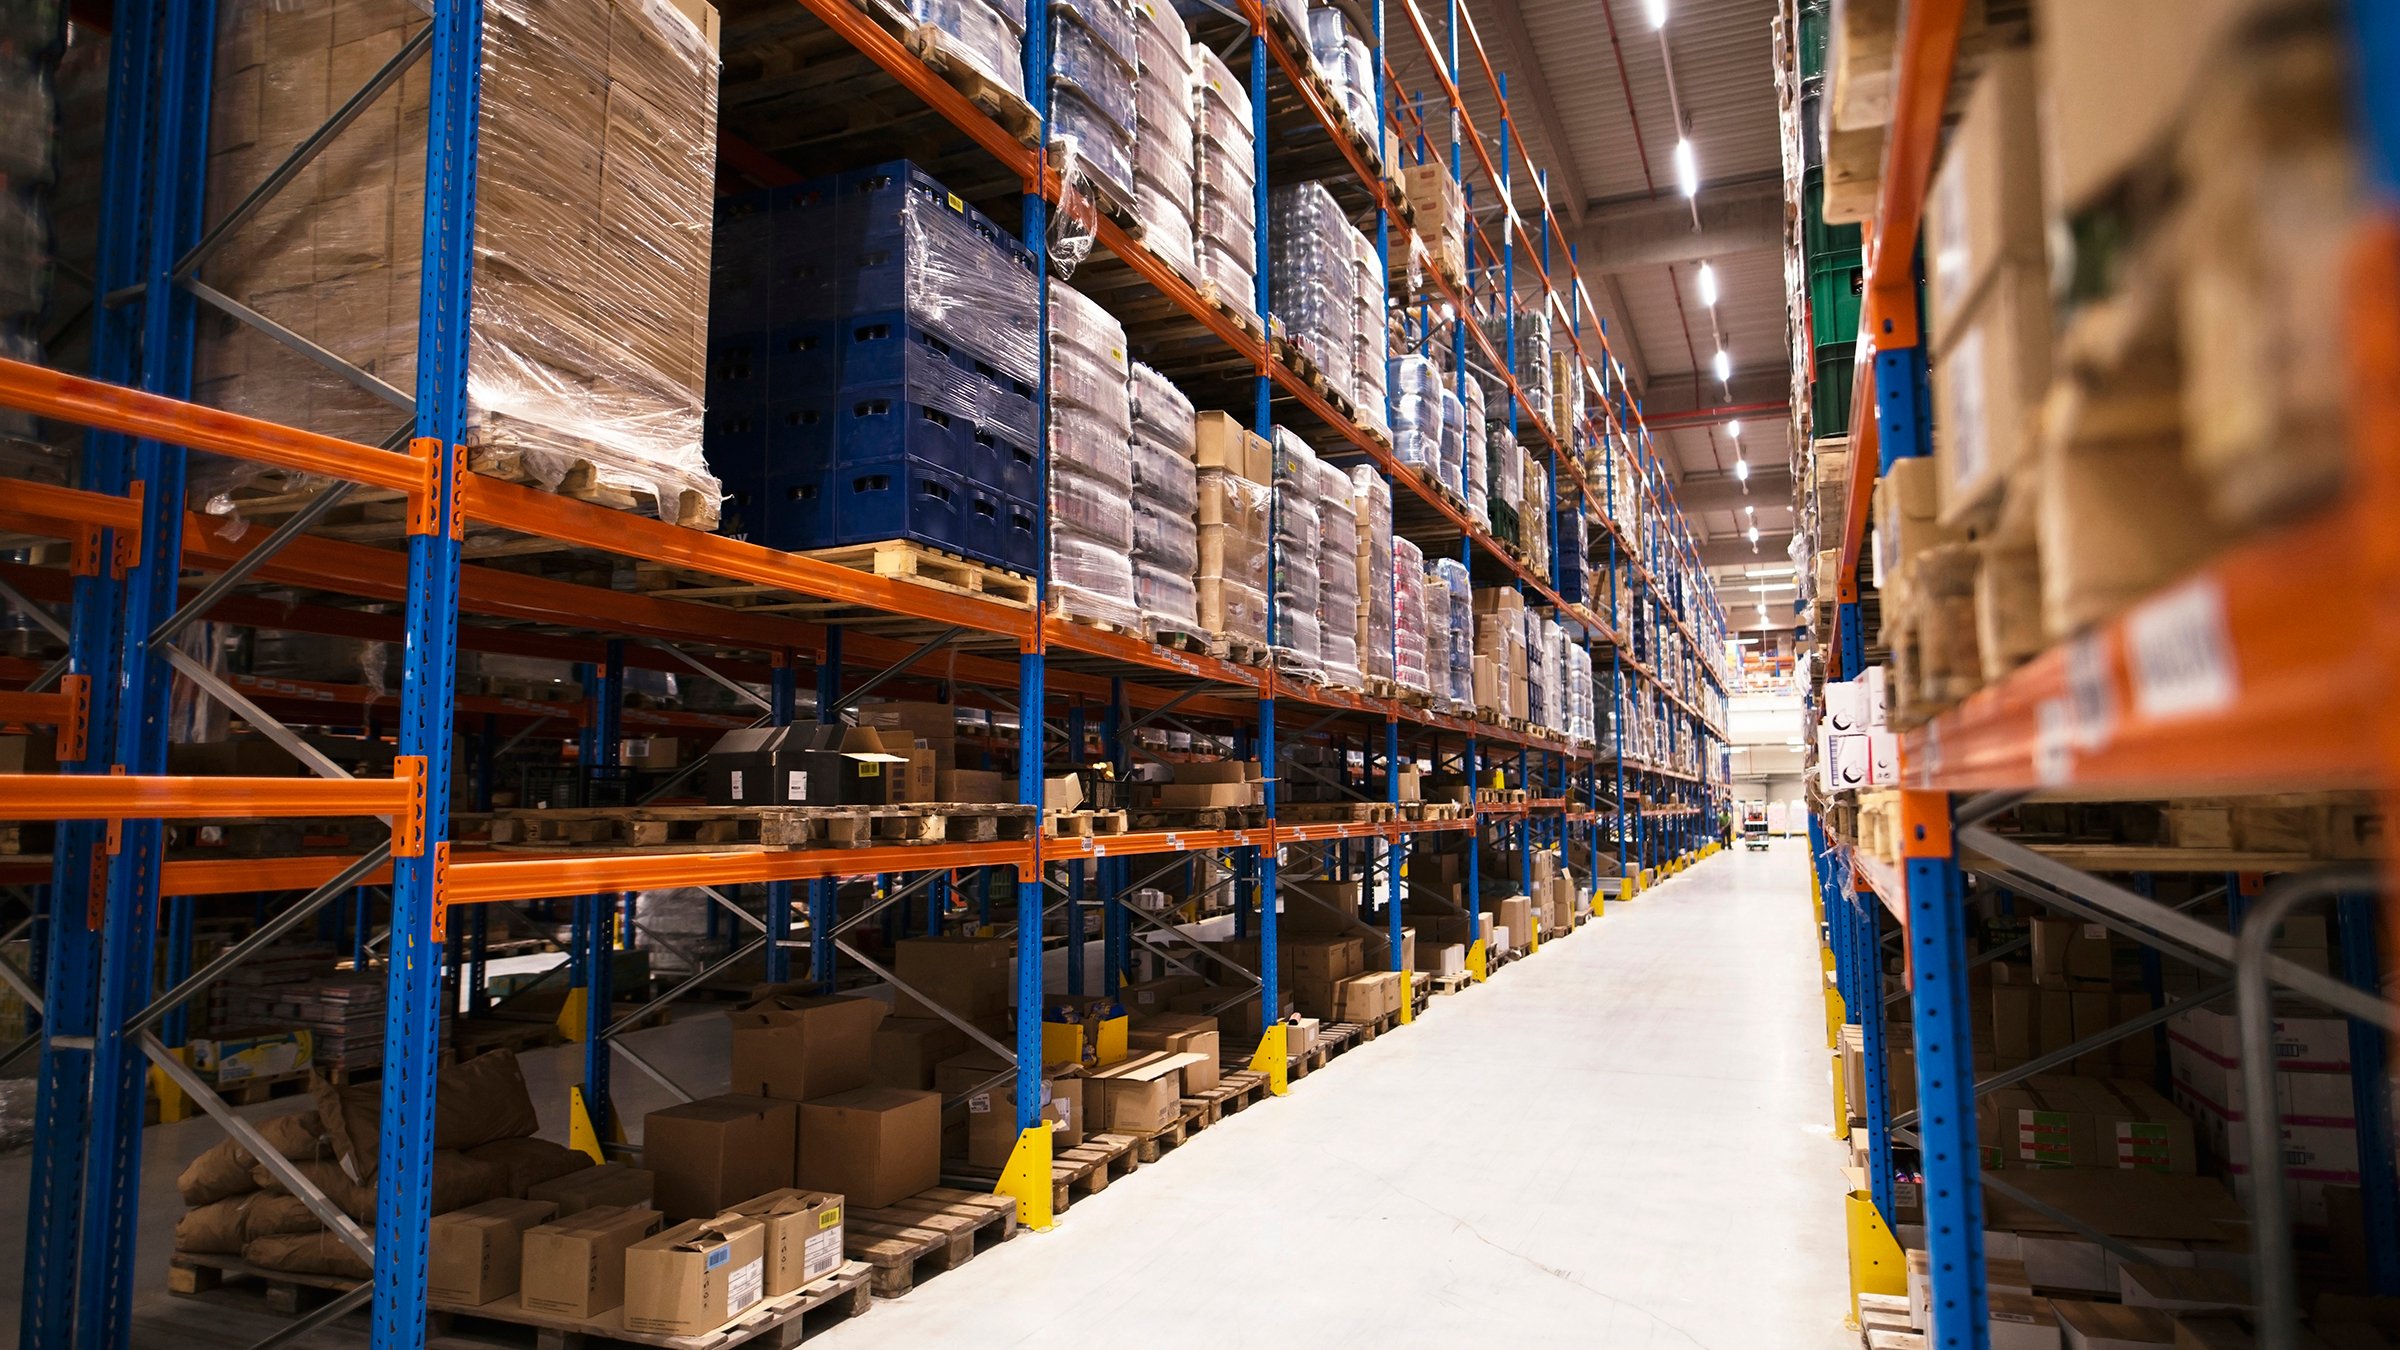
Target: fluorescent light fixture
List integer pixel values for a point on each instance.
(1769, 572)
(1724, 365)
(1687, 167)
(1754, 534)
(1658, 13)
(1734, 428)
(1708, 291)
(1741, 470)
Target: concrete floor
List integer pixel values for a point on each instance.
(1620, 1143)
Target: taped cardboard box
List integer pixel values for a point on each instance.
(803, 1236)
(696, 1276)
(874, 1146)
(614, 1185)
(985, 1134)
(575, 1266)
(1181, 1034)
(710, 1153)
(475, 1255)
(968, 976)
(799, 1048)
(906, 1050)
(1141, 1095)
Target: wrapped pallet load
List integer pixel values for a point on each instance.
(1371, 500)
(1091, 464)
(1337, 575)
(1162, 163)
(874, 369)
(1418, 428)
(1093, 58)
(987, 35)
(1410, 623)
(1312, 286)
(596, 165)
(1454, 669)
(1297, 635)
(1235, 512)
(1224, 185)
(1166, 503)
(1474, 466)
(1370, 374)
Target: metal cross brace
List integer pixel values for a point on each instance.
(738, 689)
(731, 904)
(264, 936)
(690, 982)
(270, 1157)
(1161, 711)
(974, 1033)
(893, 671)
(49, 622)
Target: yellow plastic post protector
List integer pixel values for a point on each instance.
(1026, 1178)
(1477, 963)
(1273, 1059)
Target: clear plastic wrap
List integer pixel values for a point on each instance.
(1337, 574)
(1092, 579)
(1508, 469)
(596, 168)
(1089, 506)
(1079, 380)
(1433, 622)
(1224, 174)
(1101, 150)
(1165, 538)
(1460, 603)
(1452, 469)
(1166, 497)
(1081, 62)
(1091, 464)
(1409, 621)
(1298, 637)
(1163, 477)
(986, 37)
(1371, 502)
(1312, 283)
(1535, 525)
(1161, 411)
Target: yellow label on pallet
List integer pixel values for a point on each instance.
(1026, 1178)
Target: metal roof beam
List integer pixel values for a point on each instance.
(1744, 216)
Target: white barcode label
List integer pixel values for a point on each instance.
(2181, 657)
(745, 1286)
(821, 1253)
(2090, 697)
(736, 777)
(795, 785)
(2053, 743)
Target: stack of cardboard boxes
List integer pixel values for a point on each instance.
(1500, 670)
(1441, 216)
(595, 172)
(1856, 747)
(899, 752)
(1236, 467)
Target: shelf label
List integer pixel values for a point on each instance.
(2053, 742)
(2091, 699)
(2180, 653)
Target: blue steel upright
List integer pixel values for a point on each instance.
(1030, 690)
(1953, 1189)
(412, 1011)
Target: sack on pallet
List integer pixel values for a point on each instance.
(271, 1215)
(213, 1229)
(458, 1181)
(224, 1170)
(529, 1161)
(317, 1253)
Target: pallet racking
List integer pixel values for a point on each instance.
(138, 568)
(2258, 672)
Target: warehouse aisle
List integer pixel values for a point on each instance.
(1622, 1142)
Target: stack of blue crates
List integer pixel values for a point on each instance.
(1572, 546)
(874, 370)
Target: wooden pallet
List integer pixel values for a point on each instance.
(785, 1320)
(907, 560)
(1311, 813)
(929, 1232)
(1085, 1169)
(1237, 650)
(1149, 1147)
(519, 452)
(288, 1293)
(1451, 984)
(1233, 1091)
(941, 55)
(987, 824)
(1202, 818)
(1082, 824)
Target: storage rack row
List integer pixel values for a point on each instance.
(132, 568)
(2261, 671)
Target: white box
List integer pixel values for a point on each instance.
(1843, 762)
(2022, 1322)
(1846, 707)
(1872, 680)
(1883, 758)
(2314, 1043)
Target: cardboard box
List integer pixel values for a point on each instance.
(799, 1048)
(2181, 1289)
(1063, 792)
(1142, 1095)
(988, 1133)
(1323, 958)
(474, 1255)
(650, 752)
(2115, 522)
(974, 785)
(1224, 443)
(968, 976)
(1515, 917)
(2102, 113)
(1988, 383)
(2056, 1121)
(803, 1236)
(1183, 1034)
(615, 1185)
(265, 1054)
(1145, 998)
(1448, 958)
(575, 1266)
(874, 1146)
(2112, 1326)
(1083, 1029)
(906, 1049)
(695, 1277)
(2069, 951)
(2304, 1041)
(709, 1153)
(1984, 210)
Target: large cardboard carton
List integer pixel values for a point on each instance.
(874, 1146)
(695, 1277)
(906, 1049)
(1324, 958)
(968, 976)
(2102, 113)
(1988, 383)
(1515, 914)
(709, 1153)
(803, 1234)
(988, 1133)
(1985, 207)
(474, 1255)
(1183, 1034)
(1141, 1095)
(1148, 998)
(575, 1266)
(2113, 1326)
(2056, 1121)
(614, 1184)
(799, 1048)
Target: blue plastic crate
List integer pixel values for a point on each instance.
(815, 359)
(799, 509)
(848, 428)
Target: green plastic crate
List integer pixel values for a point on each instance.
(1829, 400)
(1815, 37)
(1835, 293)
(1819, 242)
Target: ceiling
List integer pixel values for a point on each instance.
(1588, 88)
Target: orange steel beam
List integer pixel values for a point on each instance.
(96, 796)
(914, 75)
(2269, 647)
(37, 710)
(478, 881)
(108, 407)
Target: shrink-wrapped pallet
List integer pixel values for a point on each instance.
(1410, 623)
(1166, 501)
(1091, 464)
(1371, 499)
(1163, 149)
(1296, 634)
(1337, 575)
(1224, 185)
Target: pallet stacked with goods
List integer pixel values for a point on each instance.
(2101, 758)
(1000, 502)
